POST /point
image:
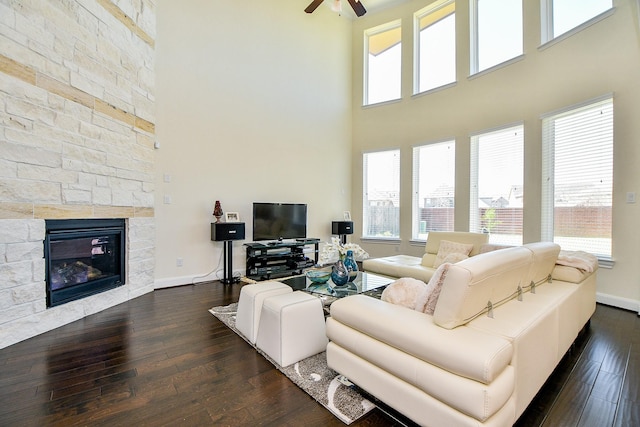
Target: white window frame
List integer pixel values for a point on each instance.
(417, 229)
(548, 173)
(547, 36)
(433, 8)
(367, 34)
(474, 218)
(393, 196)
(474, 47)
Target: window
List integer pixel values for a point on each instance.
(435, 46)
(496, 32)
(497, 185)
(561, 16)
(381, 194)
(433, 188)
(383, 63)
(578, 177)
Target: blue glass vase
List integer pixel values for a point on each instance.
(339, 274)
(351, 265)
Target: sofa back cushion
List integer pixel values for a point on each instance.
(435, 237)
(472, 284)
(545, 255)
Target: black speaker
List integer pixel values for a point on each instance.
(341, 227)
(222, 231)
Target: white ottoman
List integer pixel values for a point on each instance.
(250, 306)
(292, 327)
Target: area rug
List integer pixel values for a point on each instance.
(312, 375)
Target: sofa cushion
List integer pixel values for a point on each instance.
(569, 274)
(471, 284)
(404, 292)
(454, 257)
(428, 298)
(435, 237)
(461, 351)
(448, 248)
(545, 255)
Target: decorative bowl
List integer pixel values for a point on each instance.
(318, 276)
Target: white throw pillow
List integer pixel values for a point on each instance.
(454, 257)
(446, 248)
(404, 292)
(427, 300)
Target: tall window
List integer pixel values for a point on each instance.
(383, 63)
(433, 188)
(496, 32)
(435, 45)
(497, 185)
(381, 194)
(561, 16)
(578, 177)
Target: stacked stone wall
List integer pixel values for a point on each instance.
(77, 137)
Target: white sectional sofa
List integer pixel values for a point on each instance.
(422, 268)
(500, 327)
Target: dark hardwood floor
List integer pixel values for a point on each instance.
(162, 359)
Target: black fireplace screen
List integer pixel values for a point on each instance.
(83, 257)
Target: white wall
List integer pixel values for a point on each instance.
(253, 104)
(604, 58)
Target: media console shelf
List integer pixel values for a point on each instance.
(270, 260)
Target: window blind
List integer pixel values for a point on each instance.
(497, 186)
(434, 168)
(578, 177)
(381, 194)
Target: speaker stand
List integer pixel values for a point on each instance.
(228, 278)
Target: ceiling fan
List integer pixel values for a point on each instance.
(357, 7)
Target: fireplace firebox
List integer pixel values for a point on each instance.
(83, 257)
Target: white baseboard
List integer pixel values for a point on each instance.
(171, 282)
(620, 302)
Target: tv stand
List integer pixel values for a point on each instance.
(279, 259)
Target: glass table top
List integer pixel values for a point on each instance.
(363, 283)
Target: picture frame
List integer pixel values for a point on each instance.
(347, 216)
(232, 217)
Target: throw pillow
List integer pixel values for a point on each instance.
(427, 300)
(446, 247)
(454, 257)
(403, 292)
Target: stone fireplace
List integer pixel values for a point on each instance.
(77, 140)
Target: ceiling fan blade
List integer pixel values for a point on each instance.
(314, 4)
(358, 8)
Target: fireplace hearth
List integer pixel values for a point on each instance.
(83, 257)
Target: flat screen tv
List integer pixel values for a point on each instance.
(278, 221)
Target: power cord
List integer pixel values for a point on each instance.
(215, 271)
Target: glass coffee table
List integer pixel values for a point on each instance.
(364, 283)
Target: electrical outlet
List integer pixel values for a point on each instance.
(631, 197)
(179, 262)
(167, 199)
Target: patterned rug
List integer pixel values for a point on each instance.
(313, 376)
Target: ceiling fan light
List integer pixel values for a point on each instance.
(336, 6)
